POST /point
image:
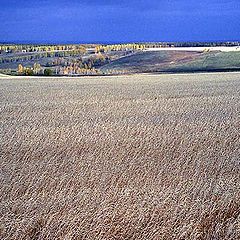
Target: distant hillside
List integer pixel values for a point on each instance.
(165, 61)
(211, 62)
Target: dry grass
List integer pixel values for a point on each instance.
(138, 157)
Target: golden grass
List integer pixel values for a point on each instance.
(132, 157)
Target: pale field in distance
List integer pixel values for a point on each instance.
(128, 157)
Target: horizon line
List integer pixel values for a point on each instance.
(19, 42)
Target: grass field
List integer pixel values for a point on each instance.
(127, 157)
(176, 61)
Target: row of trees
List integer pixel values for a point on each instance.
(62, 66)
(38, 56)
(73, 69)
(40, 48)
(35, 70)
(96, 61)
(142, 46)
(119, 47)
(67, 71)
(76, 70)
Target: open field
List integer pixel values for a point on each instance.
(176, 61)
(128, 157)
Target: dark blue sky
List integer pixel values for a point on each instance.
(119, 20)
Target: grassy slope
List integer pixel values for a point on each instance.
(173, 61)
(221, 60)
(131, 157)
(138, 61)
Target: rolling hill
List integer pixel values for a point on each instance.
(175, 61)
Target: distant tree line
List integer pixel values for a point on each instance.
(142, 46)
(190, 44)
(119, 47)
(38, 56)
(62, 66)
(6, 48)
